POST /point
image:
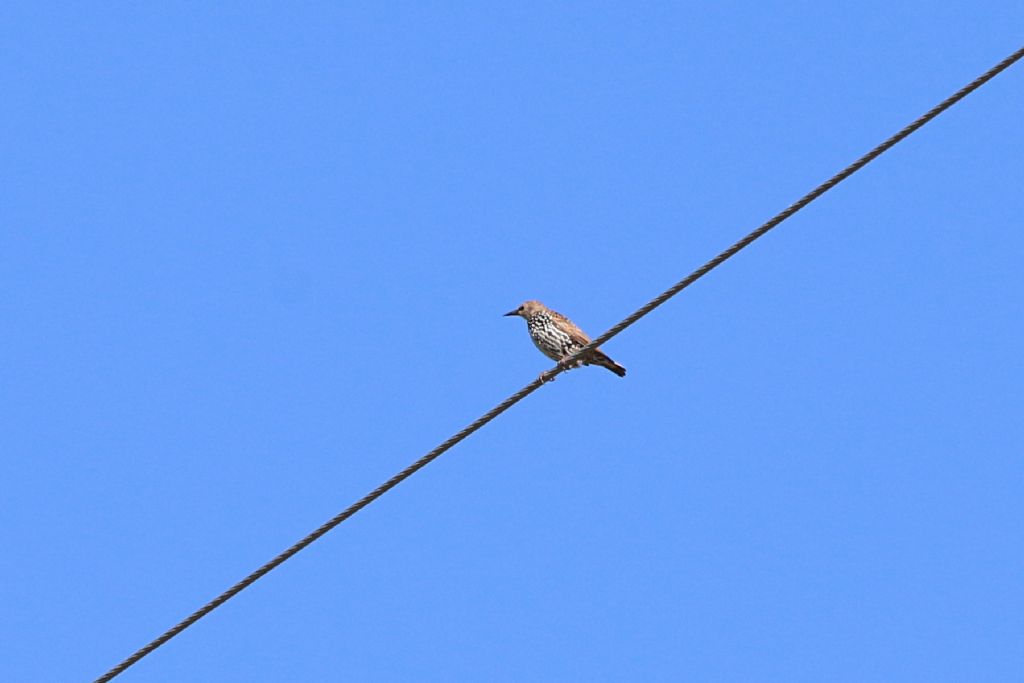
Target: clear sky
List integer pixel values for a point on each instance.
(253, 261)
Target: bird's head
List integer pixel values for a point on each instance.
(528, 310)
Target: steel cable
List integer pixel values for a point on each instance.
(561, 367)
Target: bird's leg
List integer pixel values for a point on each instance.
(549, 375)
(564, 365)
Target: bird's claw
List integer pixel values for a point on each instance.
(549, 375)
(565, 366)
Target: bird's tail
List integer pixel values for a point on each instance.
(599, 358)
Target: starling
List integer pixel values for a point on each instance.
(558, 338)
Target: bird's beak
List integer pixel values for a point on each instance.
(515, 312)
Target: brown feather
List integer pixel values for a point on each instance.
(598, 357)
(575, 333)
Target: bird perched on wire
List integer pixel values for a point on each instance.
(558, 338)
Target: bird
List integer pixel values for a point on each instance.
(558, 337)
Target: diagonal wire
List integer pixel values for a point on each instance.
(561, 367)
(805, 200)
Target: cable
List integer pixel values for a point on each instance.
(561, 367)
(804, 201)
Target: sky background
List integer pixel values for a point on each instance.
(253, 261)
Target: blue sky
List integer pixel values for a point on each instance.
(254, 260)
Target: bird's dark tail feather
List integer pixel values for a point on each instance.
(599, 358)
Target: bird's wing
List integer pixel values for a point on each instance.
(575, 333)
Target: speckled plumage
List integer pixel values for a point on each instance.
(558, 337)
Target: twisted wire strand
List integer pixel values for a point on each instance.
(323, 529)
(561, 367)
(801, 203)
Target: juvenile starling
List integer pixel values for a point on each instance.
(558, 338)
